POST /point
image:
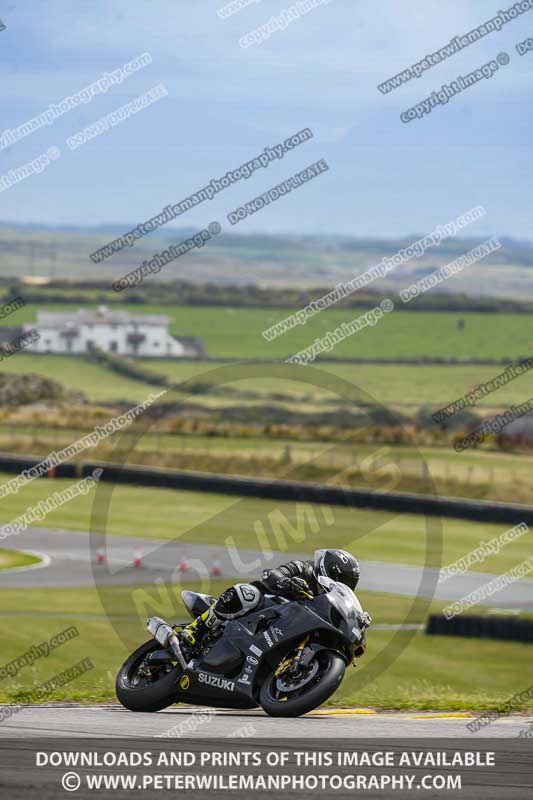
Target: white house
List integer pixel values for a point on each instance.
(118, 332)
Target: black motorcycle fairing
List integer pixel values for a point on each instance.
(311, 649)
(196, 602)
(200, 695)
(235, 671)
(160, 656)
(224, 656)
(323, 608)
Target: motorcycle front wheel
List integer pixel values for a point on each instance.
(146, 690)
(287, 696)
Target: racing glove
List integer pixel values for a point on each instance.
(364, 620)
(293, 587)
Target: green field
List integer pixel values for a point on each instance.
(389, 384)
(400, 386)
(201, 518)
(236, 332)
(424, 672)
(95, 381)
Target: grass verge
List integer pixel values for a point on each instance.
(16, 558)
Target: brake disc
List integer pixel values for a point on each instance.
(285, 684)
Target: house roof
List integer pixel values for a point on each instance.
(101, 316)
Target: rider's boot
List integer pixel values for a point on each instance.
(196, 630)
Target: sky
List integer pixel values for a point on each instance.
(226, 103)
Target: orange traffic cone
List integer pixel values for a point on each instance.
(216, 572)
(137, 558)
(100, 556)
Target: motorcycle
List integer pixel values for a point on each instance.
(287, 656)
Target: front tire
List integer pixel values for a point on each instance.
(140, 694)
(279, 703)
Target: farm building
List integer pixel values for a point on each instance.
(120, 332)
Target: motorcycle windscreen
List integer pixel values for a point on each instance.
(345, 602)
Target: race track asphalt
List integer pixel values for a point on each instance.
(71, 563)
(185, 721)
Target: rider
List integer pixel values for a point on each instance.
(294, 580)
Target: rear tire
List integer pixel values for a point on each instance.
(332, 669)
(146, 697)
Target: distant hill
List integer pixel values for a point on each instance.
(291, 261)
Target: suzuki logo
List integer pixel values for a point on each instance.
(214, 680)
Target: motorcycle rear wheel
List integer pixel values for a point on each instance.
(140, 694)
(280, 703)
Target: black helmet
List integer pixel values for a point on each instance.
(338, 565)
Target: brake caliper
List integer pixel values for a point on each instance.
(283, 665)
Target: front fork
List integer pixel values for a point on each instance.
(292, 663)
